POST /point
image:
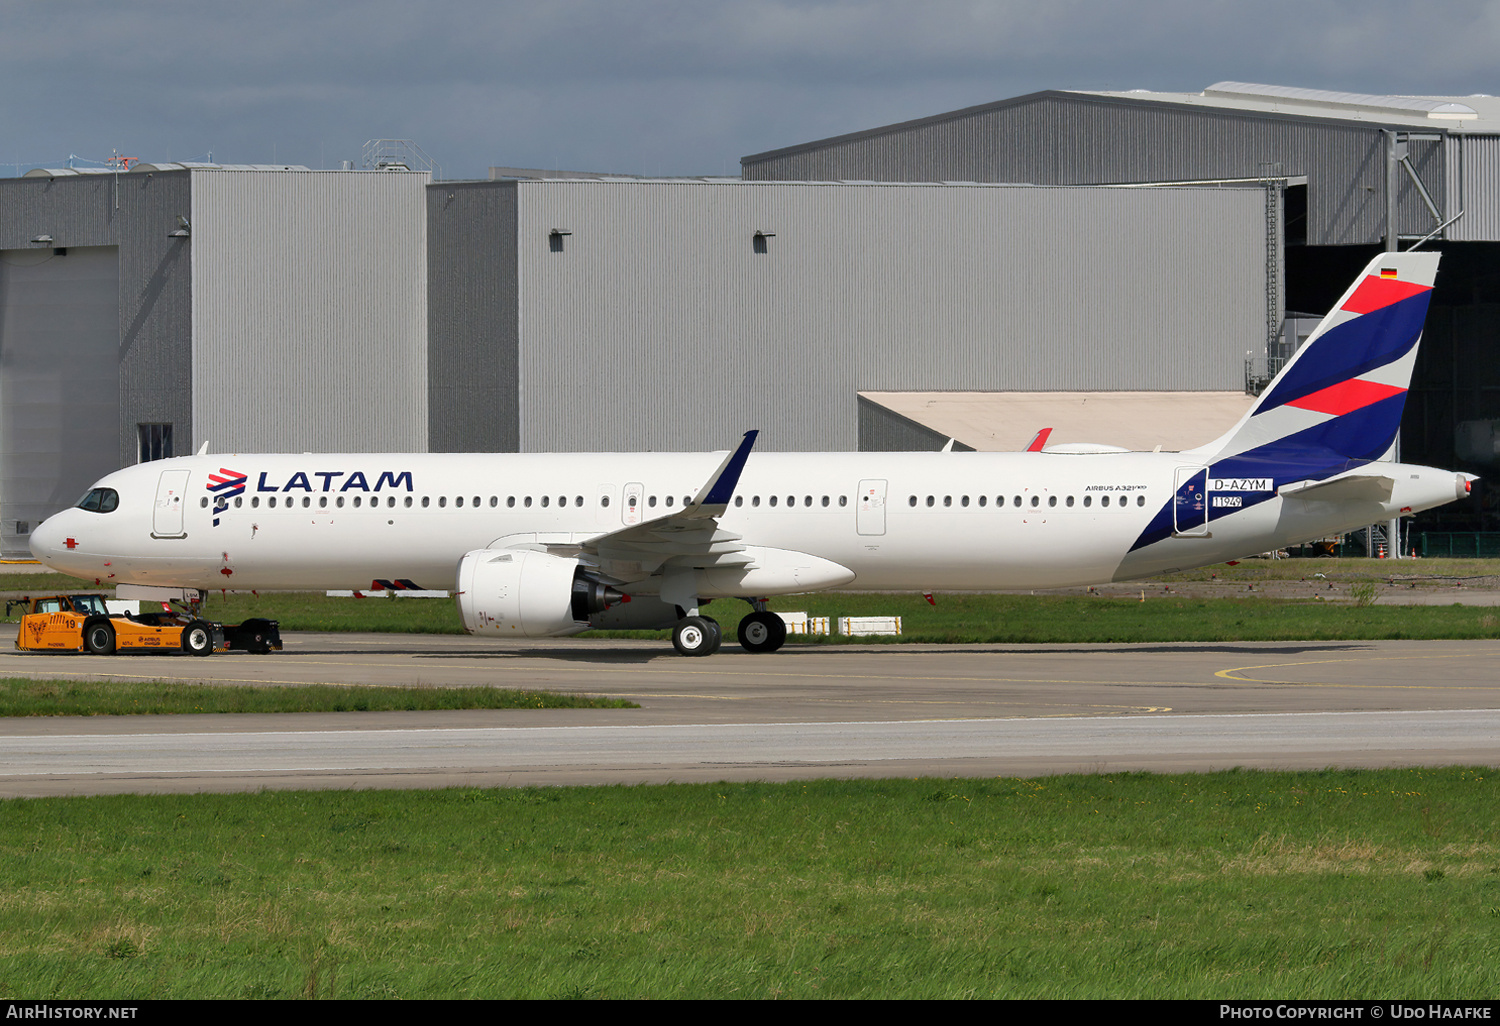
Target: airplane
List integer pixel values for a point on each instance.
(541, 545)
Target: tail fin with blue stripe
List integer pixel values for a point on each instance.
(1338, 402)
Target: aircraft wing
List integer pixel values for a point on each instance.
(690, 536)
(1342, 489)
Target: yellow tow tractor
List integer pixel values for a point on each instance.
(83, 623)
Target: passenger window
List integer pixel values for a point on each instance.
(1052, 500)
(773, 500)
(202, 502)
(546, 499)
(739, 500)
(238, 501)
(307, 501)
(526, 502)
(754, 500)
(912, 501)
(1018, 500)
(651, 501)
(510, 502)
(982, 499)
(323, 501)
(1036, 500)
(1088, 500)
(947, 500)
(604, 501)
(459, 502)
(407, 503)
(1104, 501)
(669, 500)
(1070, 501)
(930, 501)
(825, 501)
(843, 500)
(425, 501)
(807, 500)
(1140, 500)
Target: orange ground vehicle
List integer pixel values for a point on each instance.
(77, 623)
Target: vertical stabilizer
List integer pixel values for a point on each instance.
(1339, 399)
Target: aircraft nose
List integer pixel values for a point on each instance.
(47, 539)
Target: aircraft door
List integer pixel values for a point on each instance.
(171, 491)
(634, 501)
(1190, 503)
(869, 516)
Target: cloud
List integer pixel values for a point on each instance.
(654, 86)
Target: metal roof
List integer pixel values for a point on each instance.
(1477, 113)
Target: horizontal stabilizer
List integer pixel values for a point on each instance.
(1377, 488)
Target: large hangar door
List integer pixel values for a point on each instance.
(59, 381)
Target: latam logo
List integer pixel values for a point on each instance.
(352, 481)
(225, 485)
(1242, 484)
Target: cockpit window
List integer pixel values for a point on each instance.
(100, 500)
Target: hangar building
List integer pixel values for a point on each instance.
(1346, 175)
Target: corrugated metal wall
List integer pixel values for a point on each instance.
(1472, 166)
(310, 311)
(59, 380)
(471, 317)
(656, 324)
(1073, 139)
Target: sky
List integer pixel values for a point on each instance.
(654, 87)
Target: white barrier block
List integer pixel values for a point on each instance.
(801, 623)
(858, 625)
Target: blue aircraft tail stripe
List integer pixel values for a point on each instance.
(1350, 349)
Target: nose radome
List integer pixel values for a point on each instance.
(46, 539)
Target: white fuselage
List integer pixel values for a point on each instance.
(897, 521)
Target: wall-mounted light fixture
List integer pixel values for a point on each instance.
(555, 239)
(184, 229)
(42, 240)
(758, 240)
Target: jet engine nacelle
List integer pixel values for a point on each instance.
(522, 593)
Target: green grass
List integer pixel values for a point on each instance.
(1052, 619)
(21, 697)
(1330, 885)
(1047, 619)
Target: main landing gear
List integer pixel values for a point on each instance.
(761, 631)
(697, 636)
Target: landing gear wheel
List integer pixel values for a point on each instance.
(99, 638)
(197, 638)
(696, 636)
(762, 632)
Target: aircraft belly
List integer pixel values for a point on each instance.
(978, 551)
